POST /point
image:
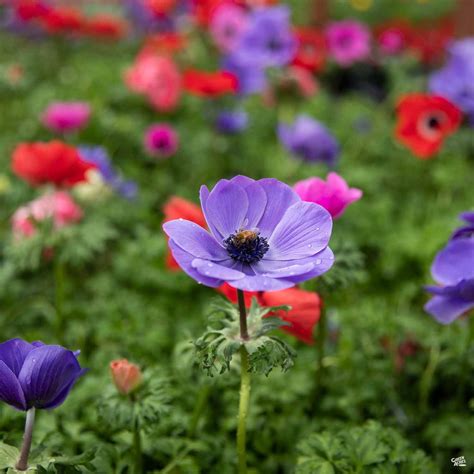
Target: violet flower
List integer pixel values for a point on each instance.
(333, 194)
(348, 41)
(250, 75)
(230, 122)
(161, 141)
(466, 230)
(36, 375)
(268, 39)
(228, 23)
(455, 80)
(309, 140)
(453, 269)
(66, 117)
(262, 237)
(98, 156)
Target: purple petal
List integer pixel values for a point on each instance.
(10, 388)
(304, 230)
(323, 261)
(446, 309)
(194, 240)
(185, 260)
(47, 375)
(257, 198)
(454, 262)
(13, 353)
(215, 270)
(279, 198)
(242, 180)
(260, 283)
(225, 209)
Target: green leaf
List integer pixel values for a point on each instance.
(8, 455)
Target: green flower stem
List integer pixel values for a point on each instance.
(59, 280)
(22, 464)
(137, 448)
(426, 381)
(321, 337)
(243, 410)
(244, 388)
(201, 403)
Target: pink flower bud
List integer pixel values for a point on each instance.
(126, 376)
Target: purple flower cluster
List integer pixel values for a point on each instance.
(99, 157)
(455, 80)
(309, 140)
(262, 237)
(231, 122)
(36, 375)
(453, 270)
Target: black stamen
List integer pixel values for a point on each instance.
(246, 246)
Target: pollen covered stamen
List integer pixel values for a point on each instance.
(246, 246)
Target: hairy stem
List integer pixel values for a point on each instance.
(22, 464)
(243, 410)
(243, 315)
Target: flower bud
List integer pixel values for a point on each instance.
(126, 376)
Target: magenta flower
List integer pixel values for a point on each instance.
(262, 237)
(348, 42)
(66, 117)
(333, 194)
(227, 25)
(161, 141)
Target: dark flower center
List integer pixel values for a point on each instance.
(246, 246)
(433, 122)
(274, 45)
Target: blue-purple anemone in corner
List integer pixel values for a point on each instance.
(262, 237)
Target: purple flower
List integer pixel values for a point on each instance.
(228, 23)
(64, 117)
(232, 121)
(262, 237)
(161, 141)
(309, 140)
(36, 375)
(455, 80)
(250, 75)
(99, 157)
(348, 42)
(453, 269)
(268, 40)
(465, 230)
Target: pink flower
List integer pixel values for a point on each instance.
(348, 42)
(156, 77)
(64, 117)
(127, 377)
(161, 141)
(228, 22)
(58, 206)
(333, 194)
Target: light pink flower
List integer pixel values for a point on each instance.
(228, 22)
(161, 141)
(348, 41)
(58, 206)
(64, 117)
(333, 194)
(156, 77)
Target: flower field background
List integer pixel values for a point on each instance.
(389, 389)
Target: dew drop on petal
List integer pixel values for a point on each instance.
(318, 261)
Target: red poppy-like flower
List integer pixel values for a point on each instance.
(53, 162)
(311, 52)
(160, 7)
(304, 314)
(393, 36)
(30, 9)
(164, 43)
(204, 9)
(179, 208)
(424, 121)
(63, 20)
(209, 84)
(105, 26)
(429, 41)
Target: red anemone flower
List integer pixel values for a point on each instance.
(179, 208)
(164, 43)
(161, 7)
(105, 26)
(424, 121)
(209, 84)
(63, 20)
(311, 52)
(49, 163)
(30, 9)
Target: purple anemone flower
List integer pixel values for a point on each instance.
(309, 140)
(231, 121)
(36, 375)
(268, 39)
(453, 269)
(455, 80)
(262, 237)
(98, 156)
(466, 230)
(250, 75)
